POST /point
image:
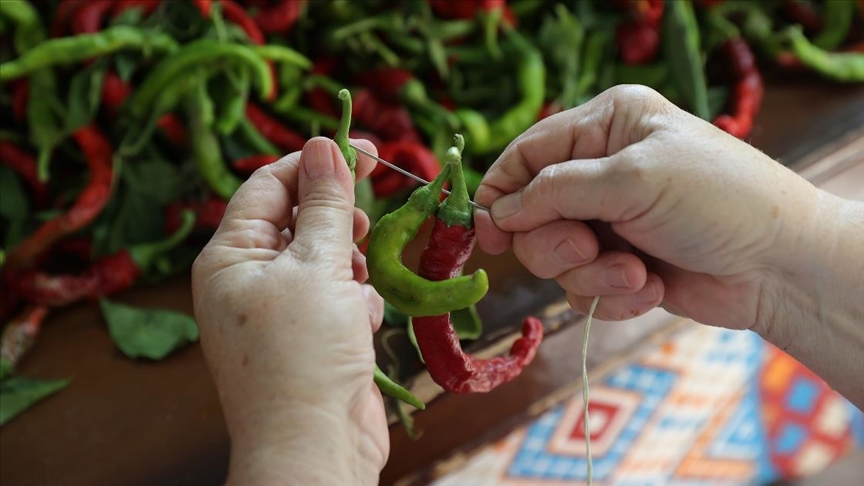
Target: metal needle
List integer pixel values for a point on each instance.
(408, 174)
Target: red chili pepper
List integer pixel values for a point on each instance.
(19, 336)
(248, 165)
(65, 10)
(204, 6)
(411, 156)
(452, 369)
(279, 18)
(284, 137)
(105, 277)
(467, 9)
(147, 6)
(747, 90)
(638, 41)
(387, 83)
(25, 166)
(88, 18)
(20, 95)
(208, 213)
(388, 120)
(87, 206)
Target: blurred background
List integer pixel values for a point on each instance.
(126, 125)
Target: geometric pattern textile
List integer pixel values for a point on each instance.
(709, 406)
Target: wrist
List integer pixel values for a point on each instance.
(306, 444)
(811, 307)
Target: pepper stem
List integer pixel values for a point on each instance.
(456, 209)
(145, 254)
(341, 137)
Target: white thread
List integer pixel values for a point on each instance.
(587, 428)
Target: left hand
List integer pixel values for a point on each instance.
(286, 324)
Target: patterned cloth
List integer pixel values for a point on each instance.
(710, 406)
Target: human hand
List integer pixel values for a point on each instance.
(632, 199)
(286, 324)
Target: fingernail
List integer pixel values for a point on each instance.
(319, 161)
(616, 277)
(567, 253)
(507, 206)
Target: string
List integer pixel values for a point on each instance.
(585, 390)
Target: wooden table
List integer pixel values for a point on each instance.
(133, 422)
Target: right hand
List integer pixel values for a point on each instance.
(632, 199)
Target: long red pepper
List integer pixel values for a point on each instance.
(638, 39)
(204, 6)
(284, 138)
(279, 18)
(105, 277)
(455, 371)
(89, 204)
(390, 121)
(449, 248)
(747, 89)
(19, 336)
(25, 166)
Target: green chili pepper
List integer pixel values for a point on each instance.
(282, 55)
(531, 78)
(196, 53)
(305, 115)
(838, 17)
(456, 208)
(393, 389)
(205, 145)
(71, 50)
(28, 27)
(839, 66)
(341, 137)
(682, 50)
(474, 125)
(399, 286)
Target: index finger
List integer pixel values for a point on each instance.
(602, 126)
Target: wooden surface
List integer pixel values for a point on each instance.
(132, 422)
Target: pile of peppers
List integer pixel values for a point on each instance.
(126, 125)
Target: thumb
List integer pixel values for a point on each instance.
(326, 203)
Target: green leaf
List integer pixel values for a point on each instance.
(682, 49)
(560, 39)
(155, 178)
(17, 394)
(466, 322)
(149, 333)
(14, 204)
(85, 93)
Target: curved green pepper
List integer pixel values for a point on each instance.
(71, 50)
(193, 54)
(390, 387)
(341, 137)
(205, 145)
(402, 288)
